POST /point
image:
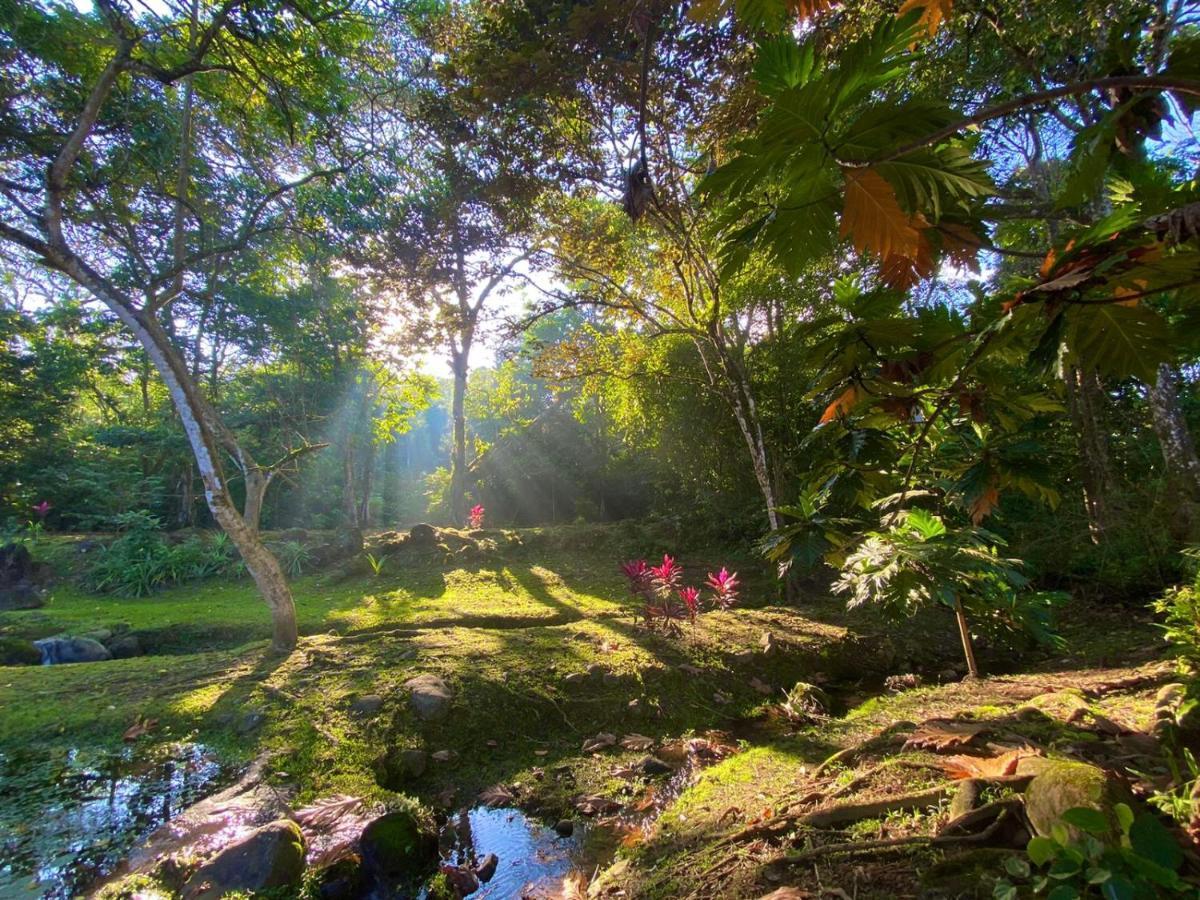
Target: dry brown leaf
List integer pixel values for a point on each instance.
(328, 812)
(985, 767)
(845, 402)
(574, 887)
(933, 12)
(872, 217)
(983, 505)
(602, 741)
(637, 742)
(141, 727)
(806, 9)
(497, 795)
(905, 272)
(943, 734)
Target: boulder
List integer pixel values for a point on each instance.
(269, 857)
(398, 847)
(430, 697)
(398, 768)
(125, 646)
(16, 565)
(22, 595)
(367, 705)
(19, 652)
(423, 535)
(58, 650)
(1060, 785)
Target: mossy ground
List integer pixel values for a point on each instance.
(505, 629)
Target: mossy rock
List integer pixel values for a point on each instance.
(399, 846)
(1060, 785)
(270, 857)
(19, 652)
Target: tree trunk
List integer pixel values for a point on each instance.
(196, 417)
(349, 486)
(458, 464)
(1180, 462)
(366, 482)
(1085, 403)
(256, 491)
(964, 632)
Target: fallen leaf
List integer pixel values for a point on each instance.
(986, 767)
(944, 734)
(328, 812)
(602, 741)
(637, 742)
(497, 795)
(574, 887)
(140, 727)
(596, 805)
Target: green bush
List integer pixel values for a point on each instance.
(142, 559)
(1142, 862)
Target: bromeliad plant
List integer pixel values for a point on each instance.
(663, 600)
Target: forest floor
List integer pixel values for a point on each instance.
(536, 641)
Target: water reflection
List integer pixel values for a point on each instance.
(66, 819)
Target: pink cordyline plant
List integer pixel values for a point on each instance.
(638, 573)
(724, 587)
(42, 509)
(666, 577)
(691, 599)
(475, 517)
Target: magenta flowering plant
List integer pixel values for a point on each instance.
(667, 577)
(42, 509)
(691, 601)
(475, 516)
(638, 573)
(724, 586)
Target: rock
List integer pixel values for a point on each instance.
(18, 579)
(100, 635)
(59, 650)
(22, 595)
(487, 867)
(443, 756)
(366, 706)
(596, 670)
(1061, 785)
(423, 535)
(19, 652)
(348, 541)
(397, 846)
(270, 857)
(463, 880)
(430, 697)
(652, 766)
(343, 880)
(565, 827)
(16, 565)
(575, 678)
(250, 721)
(413, 762)
(125, 646)
(1172, 712)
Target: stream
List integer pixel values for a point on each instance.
(68, 819)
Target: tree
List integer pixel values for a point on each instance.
(139, 196)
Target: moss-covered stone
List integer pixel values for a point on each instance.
(1061, 785)
(270, 857)
(18, 652)
(398, 846)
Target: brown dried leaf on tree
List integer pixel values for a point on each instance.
(933, 12)
(873, 219)
(944, 734)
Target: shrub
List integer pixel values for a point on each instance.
(1143, 860)
(142, 559)
(663, 599)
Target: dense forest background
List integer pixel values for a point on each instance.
(751, 267)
